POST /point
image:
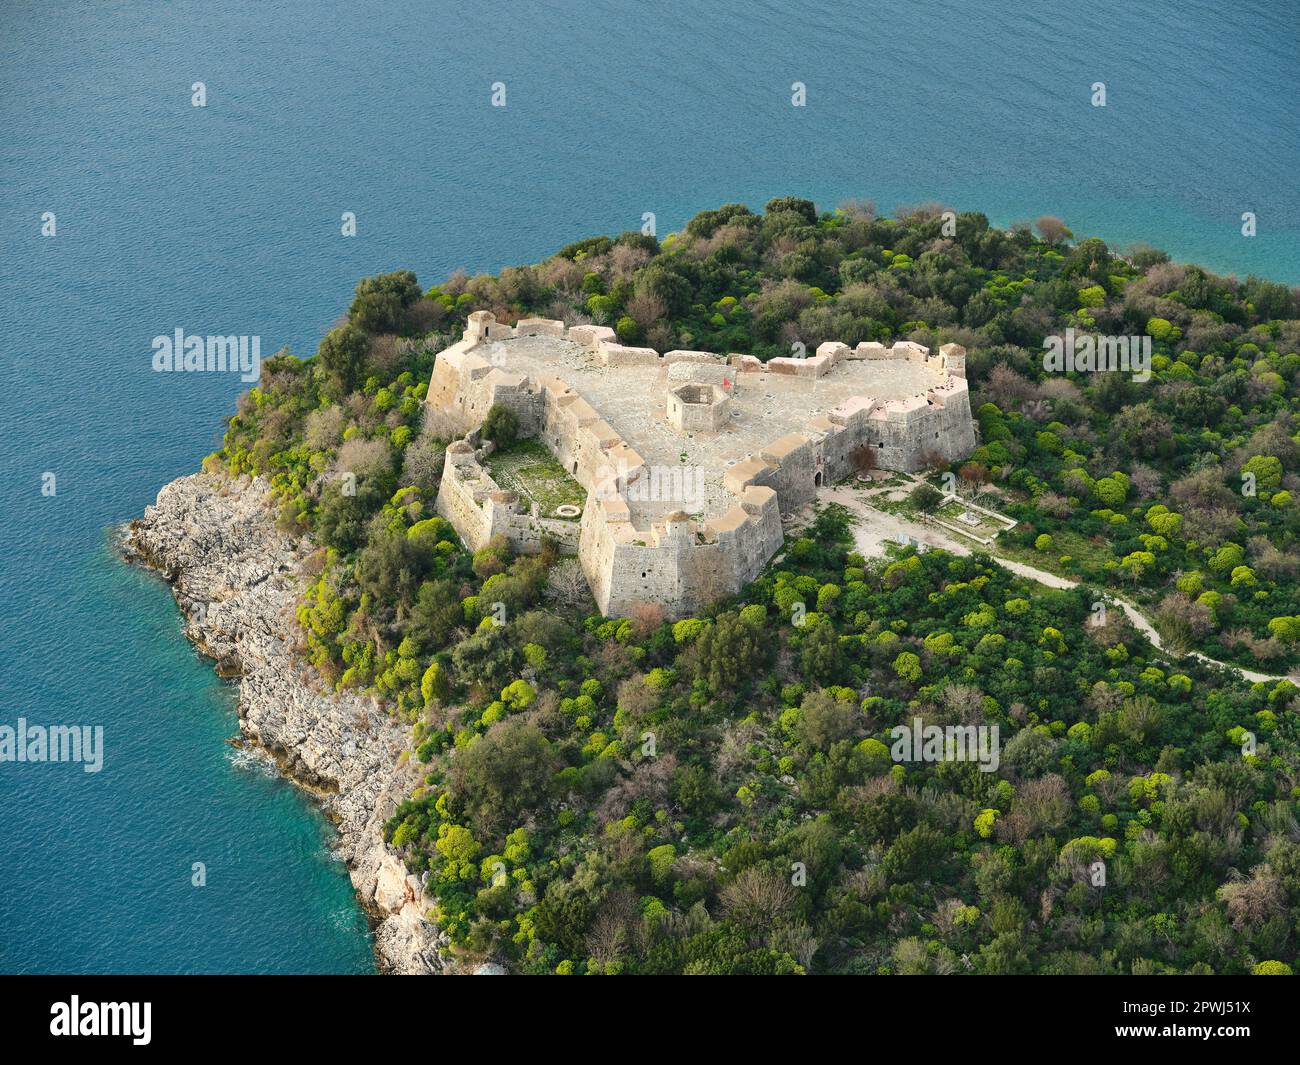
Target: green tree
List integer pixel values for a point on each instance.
(908, 666)
(628, 331)
(1111, 491)
(825, 720)
(433, 685)
(341, 360)
(1267, 470)
(503, 777)
(820, 658)
(728, 652)
(501, 426)
(926, 498)
(381, 302)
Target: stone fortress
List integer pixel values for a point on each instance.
(689, 459)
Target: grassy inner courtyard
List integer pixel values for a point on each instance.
(529, 470)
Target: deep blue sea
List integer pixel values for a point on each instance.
(226, 219)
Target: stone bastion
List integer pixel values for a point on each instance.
(689, 458)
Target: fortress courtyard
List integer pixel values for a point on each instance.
(764, 407)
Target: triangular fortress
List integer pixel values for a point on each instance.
(688, 458)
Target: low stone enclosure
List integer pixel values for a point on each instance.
(688, 458)
(480, 509)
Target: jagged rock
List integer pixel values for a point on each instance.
(236, 579)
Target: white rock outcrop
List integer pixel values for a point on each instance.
(236, 578)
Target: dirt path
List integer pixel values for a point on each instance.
(874, 528)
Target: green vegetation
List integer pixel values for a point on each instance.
(529, 469)
(639, 796)
(925, 498)
(500, 426)
(718, 795)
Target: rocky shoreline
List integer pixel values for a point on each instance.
(236, 578)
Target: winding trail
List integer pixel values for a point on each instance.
(875, 528)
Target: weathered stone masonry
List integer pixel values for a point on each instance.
(765, 438)
(480, 509)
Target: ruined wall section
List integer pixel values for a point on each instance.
(904, 433)
(480, 509)
(466, 384)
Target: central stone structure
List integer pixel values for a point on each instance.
(688, 458)
(699, 406)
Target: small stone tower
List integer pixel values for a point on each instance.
(479, 325)
(953, 358)
(698, 407)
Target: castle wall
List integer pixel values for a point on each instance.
(675, 564)
(457, 500)
(472, 501)
(904, 433)
(901, 433)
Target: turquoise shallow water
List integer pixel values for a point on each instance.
(226, 220)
